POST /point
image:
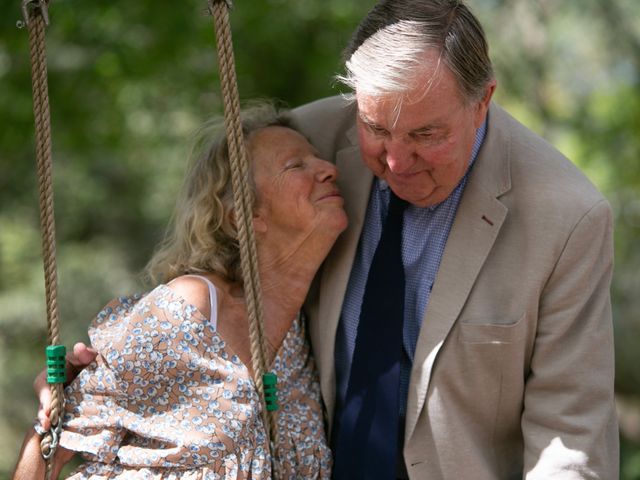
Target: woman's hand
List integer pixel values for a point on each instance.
(80, 357)
(30, 464)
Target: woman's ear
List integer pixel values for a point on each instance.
(259, 224)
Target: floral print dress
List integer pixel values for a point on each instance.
(167, 399)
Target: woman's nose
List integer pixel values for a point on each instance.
(327, 171)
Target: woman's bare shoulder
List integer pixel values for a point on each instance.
(195, 290)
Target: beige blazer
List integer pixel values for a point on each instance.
(513, 372)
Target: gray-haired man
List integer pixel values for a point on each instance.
(505, 363)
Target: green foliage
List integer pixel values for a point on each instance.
(131, 81)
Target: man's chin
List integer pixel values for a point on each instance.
(413, 194)
(420, 199)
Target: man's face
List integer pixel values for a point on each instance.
(421, 147)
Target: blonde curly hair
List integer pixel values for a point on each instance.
(202, 236)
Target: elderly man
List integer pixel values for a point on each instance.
(497, 361)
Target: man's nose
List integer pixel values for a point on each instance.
(399, 155)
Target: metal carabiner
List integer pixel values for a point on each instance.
(209, 10)
(55, 437)
(28, 7)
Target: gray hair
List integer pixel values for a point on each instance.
(202, 236)
(387, 52)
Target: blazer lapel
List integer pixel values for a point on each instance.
(475, 229)
(354, 180)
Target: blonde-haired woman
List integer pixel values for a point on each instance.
(171, 394)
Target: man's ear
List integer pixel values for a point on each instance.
(483, 104)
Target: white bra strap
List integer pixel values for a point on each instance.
(213, 300)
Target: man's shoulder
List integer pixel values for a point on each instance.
(538, 170)
(328, 123)
(335, 105)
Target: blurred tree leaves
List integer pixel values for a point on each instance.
(131, 81)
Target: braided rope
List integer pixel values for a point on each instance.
(243, 203)
(36, 28)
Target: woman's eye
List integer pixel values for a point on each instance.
(293, 164)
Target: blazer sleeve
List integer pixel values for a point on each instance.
(569, 419)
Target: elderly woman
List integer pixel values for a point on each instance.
(171, 394)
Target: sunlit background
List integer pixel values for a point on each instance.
(130, 82)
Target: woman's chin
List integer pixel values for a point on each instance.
(337, 222)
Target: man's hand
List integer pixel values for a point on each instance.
(80, 357)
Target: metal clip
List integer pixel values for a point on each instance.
(31, 6)
(209, 9)
(55, 437)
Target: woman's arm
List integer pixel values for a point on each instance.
(79, 358)
(31, 465)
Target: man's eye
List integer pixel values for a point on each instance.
(424, 136)
(377, 130)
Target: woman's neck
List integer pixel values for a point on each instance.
(286, 272)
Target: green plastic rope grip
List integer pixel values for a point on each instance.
(56, 372)
(269, 381)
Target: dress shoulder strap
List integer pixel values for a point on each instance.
(213, 300)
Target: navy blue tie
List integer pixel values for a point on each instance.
(366, 430)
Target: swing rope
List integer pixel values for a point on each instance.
(243, 202)
(36, 18)
(35, 13)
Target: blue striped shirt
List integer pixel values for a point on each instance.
(424, 236)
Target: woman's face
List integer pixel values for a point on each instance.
(296, 190)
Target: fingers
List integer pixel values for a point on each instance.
(44, 414)
(81, 356)
(43, 393)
